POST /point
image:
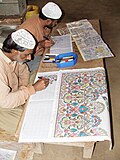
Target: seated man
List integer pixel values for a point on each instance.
(14, 78)
(41, 26)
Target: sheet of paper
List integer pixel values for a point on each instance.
(50, 92)
(76, 110)
(83, 105)
(63, 31)
(88, 41)
(38, 121)
(40, 117)
(63, 44)
(6, 154)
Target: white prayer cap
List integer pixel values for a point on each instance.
(52, 10)
(23, 38)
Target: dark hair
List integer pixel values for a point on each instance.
(42, 16)
(9, 44)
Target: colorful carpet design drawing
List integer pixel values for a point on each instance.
(83, 102)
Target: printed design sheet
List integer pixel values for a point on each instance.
(83, 105)
(88, 41)
(75, 104)
(63, 31)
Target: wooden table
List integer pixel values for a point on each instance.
(47, 67)
(26, 151)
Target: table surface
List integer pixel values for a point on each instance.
(48, 67)
(45, 67)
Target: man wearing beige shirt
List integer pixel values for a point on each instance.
(14, 78)
(41, 26)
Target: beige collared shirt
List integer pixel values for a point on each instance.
(14, 88)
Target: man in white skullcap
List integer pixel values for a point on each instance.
(41, 26)
(14, 78)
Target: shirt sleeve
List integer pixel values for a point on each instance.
(10, 99)
(23, 75)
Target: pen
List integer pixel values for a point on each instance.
(68, 57)
(40, 77)
(46, 38)
(65, 60)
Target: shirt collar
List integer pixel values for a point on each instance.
(4, 57)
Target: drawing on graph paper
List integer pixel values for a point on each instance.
(81, 104)
(89, 42)
(52, 78)
(63, 44)
(48, 93)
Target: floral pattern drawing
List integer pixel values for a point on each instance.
(79, 110)
(51, 78)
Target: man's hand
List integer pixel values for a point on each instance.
(41, 84)
(46, 43)
(42, 45)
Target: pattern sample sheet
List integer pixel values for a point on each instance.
(75, 104)
(83, 105)
(88, 41)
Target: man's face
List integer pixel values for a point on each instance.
(52, 24)
(23, 56)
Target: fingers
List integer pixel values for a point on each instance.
(49, 43)
(41, 84)
(44, 82)
(46, 43)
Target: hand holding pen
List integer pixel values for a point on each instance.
(45, 43)
(48, 42)
(41, 84)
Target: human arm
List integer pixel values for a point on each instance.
(42, 45)
(41, 84)
(23, 74)
(11, 97)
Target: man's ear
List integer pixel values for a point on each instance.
(14, 52)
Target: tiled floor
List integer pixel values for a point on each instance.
(108, 12)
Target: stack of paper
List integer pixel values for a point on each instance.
(88, 41)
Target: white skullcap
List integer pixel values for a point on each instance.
(52, 10)
(23, 38)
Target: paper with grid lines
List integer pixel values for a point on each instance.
(40, 116)
(63, 44)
